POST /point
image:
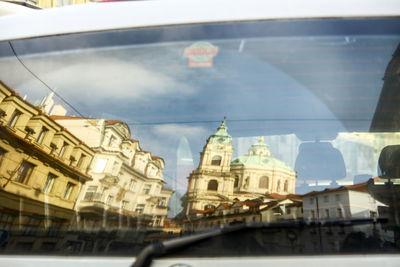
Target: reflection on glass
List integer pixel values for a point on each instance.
(308, 138)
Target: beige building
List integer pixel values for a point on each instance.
(221, 179)
(42, 168)
(127, 189)
(272, 208)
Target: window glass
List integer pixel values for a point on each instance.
(212, 185)
(81, 160)
(90, 193)
(146, 189)
(48, 186)
(216, 160)
(42, 134)
(164, 132)
(24, 171)
(68, 190)
(14, 118)
(62, 150)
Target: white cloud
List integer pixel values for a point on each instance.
(98, 77)
(176, 131)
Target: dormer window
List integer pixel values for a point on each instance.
(62, 150)
(81, 160)
(29, 132)
(112, 141)
(42, 135)
(2, 113)
(72, 160)
(53, 148)
(14, 118)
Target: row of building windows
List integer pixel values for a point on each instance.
(326, 198)
(12, 123)
(327, 213)
(24, 171)
(92, 195)
(263, 183)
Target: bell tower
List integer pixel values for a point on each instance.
(212, 182)
(217, 152)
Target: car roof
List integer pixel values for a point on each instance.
(122, 15)
(9, 8)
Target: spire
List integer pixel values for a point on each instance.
(222, 133)
(259, 148)
(223, 125)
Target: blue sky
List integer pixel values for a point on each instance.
(269, 86)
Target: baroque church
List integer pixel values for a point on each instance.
(220, 179)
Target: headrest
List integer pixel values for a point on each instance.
(389, 162)
(319, 161)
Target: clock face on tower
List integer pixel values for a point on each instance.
(221, 140)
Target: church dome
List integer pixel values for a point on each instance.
(259, 155)
(221, 135)
(259, 148)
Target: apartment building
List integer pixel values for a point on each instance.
(43, 166)
(127, 190)
(344, 202)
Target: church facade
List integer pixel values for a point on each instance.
(221, 179)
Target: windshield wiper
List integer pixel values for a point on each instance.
(146, 256)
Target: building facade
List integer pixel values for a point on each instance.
(221, 179)
(271, 208)
(345, 202)
(43, 166)
(128, 189)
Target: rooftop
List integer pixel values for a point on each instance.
(357, 187)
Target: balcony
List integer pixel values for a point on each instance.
(93, 201)
(110, 179)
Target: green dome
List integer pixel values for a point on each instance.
(259, 161)
(259, 156)
(221, 135)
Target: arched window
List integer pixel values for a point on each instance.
(278, 187)
(236, 182)
(216, 160)
(263, 183)
(212, 185)
(285, 186)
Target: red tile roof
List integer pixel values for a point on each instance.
(225, 205)
(113, 121)
(57, 117)
(269, 205)
(281, 197)
(356, 187)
